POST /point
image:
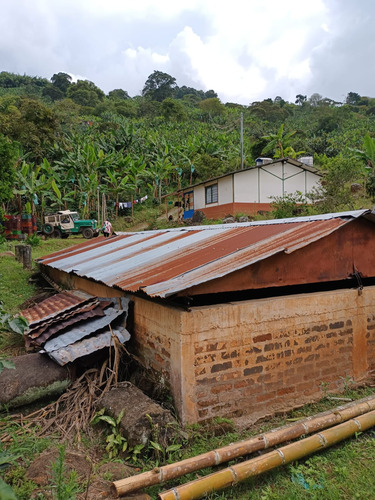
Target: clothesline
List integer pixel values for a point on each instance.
(128, 204)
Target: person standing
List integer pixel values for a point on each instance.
(107, 228)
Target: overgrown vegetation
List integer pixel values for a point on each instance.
(66, 145)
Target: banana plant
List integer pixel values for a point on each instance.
(30, 184)
(367, 154)
(278, 143)
(116, 183)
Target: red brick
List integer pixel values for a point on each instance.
(338, 324)
(206, 358)
(202, 413)
(221, 366)
(265, 397)
(286, 390)
(262, 338)
(252, 370)
(244, 383)
(205, 403)
(221, 388)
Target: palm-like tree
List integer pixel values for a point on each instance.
(367, 154)
(279, 143)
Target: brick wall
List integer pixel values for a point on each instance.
(253, 358)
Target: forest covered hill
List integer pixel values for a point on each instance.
(63, 143)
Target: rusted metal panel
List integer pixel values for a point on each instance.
(166, 262)
(69, 317)
(40, 338)
(55, 305)
(297, 237)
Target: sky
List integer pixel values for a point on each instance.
(245, 50)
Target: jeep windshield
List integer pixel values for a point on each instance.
(75, 215)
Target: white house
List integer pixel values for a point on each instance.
(249, 190)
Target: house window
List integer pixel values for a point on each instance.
(211, 194)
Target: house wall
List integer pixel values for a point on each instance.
(251, 191)
(250, 359)
(246, 186)
(225, 190)
(199, 197)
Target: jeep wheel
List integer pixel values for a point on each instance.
(87, 232)
(48, 229)
(64, 236)
(57, 233)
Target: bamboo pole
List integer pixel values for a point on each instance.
(294, 451)
(261, 442)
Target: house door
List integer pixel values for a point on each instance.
(188, 204)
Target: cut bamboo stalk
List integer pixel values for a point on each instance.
(294, 451)
(289, 432)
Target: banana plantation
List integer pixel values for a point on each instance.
(70, 151)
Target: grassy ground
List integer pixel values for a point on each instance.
(343, 472)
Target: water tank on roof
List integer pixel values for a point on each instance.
(307, 160)
(263, 161)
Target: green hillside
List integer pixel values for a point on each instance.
(66, 144)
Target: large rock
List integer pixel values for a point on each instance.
(35, 377)
(143, 419)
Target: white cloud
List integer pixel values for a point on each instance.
(245, 51)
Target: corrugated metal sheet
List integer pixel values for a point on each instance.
(163, 263)
(90, 326)
(70, 317)
(62, 325)
(55, 305)
(64, 319)
(89, 345)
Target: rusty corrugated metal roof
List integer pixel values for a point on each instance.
(164, 262)
(56, 304)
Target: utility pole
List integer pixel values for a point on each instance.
(241, 141)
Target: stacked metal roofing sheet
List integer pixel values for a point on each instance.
(73, 324)
(164, 262)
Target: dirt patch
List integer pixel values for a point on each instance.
(99, 479)
(8, 253)
(40, 471)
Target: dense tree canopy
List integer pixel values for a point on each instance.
(159, 86)
(73, 141)
(8, 158)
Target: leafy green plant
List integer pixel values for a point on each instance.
(324, 387)
(6, 492)
(5, 363)
(13, 324)
(33, 240)
(161, 453)
(19, 484)
(65, 485)
(116, 443)
(347, 381)
(289, 205)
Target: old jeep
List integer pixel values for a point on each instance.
(65, 222)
